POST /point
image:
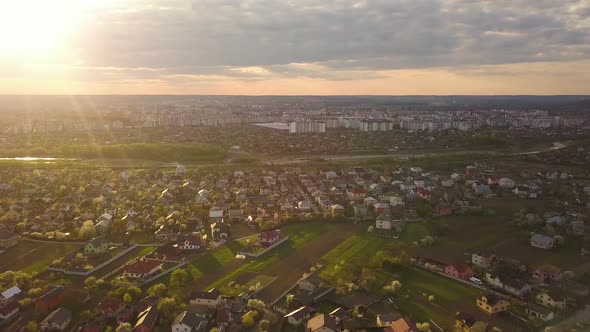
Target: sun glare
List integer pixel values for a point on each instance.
(38, 28)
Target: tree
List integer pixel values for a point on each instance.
(264, 325)
(393, 287)
(158, 290)
(370, 229)
(35, 292)
(134, 291)
(423, 327)
(248, 320)
(123, 327)
(32, 327)
(178, 279)
(167, 306)
(87, 231)
(431, 298)
(127, 298)
(214, 330)
(559, 240)
(91, 283)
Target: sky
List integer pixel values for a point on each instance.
(295, 47)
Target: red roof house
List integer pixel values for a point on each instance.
(460, 270)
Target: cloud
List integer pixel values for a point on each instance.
(334, 40)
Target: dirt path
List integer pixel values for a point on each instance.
(290, 269)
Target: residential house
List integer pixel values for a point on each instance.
(189, 242)
(219, 230)
(12, 216)
(146, 320)
(370, 201)
(7, 239)
(10, 293)
(506, 183)
(360, 211)
(356, 194)
(337, 210)
(459, 270)
(482, 190)
(270, 237)
(141, 268)
(304, 206)
(98, 245)
(322, 323)
(492, 303)
(8, 309)
(542, 241)
(384, 221)
(236, 215)
(339, 314)
(189, 322)
(535, 311)
(58, 320)
(510, 284)
(103, 223)
(310, 282)
(396, 201)
(447, 182)
(209, 299)
(404, 325)
(216, 215)
(483, 259)
(381, 208)
(552, 298)
(298, 316)
(464, 322)
(547, 272)
(165, 234)
(386, 319)
(52, 299)
(110, 306)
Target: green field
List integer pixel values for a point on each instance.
(29, 256)
(449, 297)
(355, 250)
(299, 235)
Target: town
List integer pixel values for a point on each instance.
(488, 246)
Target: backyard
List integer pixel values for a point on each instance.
(30, 256)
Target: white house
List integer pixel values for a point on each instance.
(210, 299)
(384, 221)
(297, 317)
(506, 183)
(188, 322)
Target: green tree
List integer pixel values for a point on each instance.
(127, 298)
(167, 307)
(248, 321)
(157, 290)
(87, 231)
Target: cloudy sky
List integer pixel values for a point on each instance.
(295, 46)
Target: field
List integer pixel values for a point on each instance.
(449, 297)
(356, 250)
(289, 260)
(497, 233)
(30, 256)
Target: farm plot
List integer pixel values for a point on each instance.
(30, 256)
(289, 260)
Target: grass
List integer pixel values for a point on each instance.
(449, 297)
(413, 231)
(29, 256)
(356, 250)
(299, 235)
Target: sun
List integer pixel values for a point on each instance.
(40, 28)
(33, 28)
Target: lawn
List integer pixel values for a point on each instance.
(357, 249)
(32, 256)
(413, 231)
(299, 235)
(449, 297)
(497, 233)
